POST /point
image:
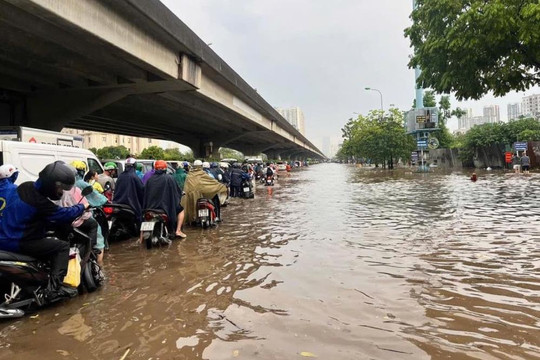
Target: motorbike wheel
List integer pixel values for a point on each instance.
(205, 224)
(88, 279)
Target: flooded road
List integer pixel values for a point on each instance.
(338, 263)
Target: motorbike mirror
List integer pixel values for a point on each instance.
(87, 190)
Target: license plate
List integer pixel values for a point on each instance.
(246, 189)
(147, 226)
(203, 212)
(110, 224)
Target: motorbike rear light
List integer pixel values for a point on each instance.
(165, 217)
(108, 210)
(148, 216)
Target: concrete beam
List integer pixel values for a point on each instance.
(54, 109)
(97, 19)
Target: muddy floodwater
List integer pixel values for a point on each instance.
(336, 263)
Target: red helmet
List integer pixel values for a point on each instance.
(160, 165)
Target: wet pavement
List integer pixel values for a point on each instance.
(337, 263)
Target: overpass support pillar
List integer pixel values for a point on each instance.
(204, 149)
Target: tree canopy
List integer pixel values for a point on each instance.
(472, 47)
(378, 141)
(111, 152)
(152, 152)
(498, 133)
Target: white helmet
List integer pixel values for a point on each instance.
(206, 165)
(224, 165)
(130, 161)
(7, 171)
(197, 163)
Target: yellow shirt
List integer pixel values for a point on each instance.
(97, 186)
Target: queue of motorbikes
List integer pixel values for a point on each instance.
(24, 279)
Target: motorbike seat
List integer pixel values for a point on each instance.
(11, 256)
(204, 202)
(120, 206)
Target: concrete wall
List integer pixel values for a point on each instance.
(492, 156)
(445, 158)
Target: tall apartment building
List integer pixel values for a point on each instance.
(530, 106)
(492, 114)
(94, 139)
(294, 116)
(514, 111)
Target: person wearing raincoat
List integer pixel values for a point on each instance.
(130, 190)
(180, 177)
(198, 185)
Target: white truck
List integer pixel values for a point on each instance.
(39, 136)
(30, 150)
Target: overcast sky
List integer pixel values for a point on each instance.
(317, 54)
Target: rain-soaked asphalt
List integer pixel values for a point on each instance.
(338, 263)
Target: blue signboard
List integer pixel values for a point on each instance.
(421, 143)
(520, 146)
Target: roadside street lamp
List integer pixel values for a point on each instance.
(380, 93)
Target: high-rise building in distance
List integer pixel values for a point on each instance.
(514, 111)
(492, 114)
(530, 106)
(294, 116)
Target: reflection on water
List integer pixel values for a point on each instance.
(337, 262)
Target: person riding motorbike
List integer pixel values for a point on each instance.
(8, 176)
(236, 180)
(148, 174)
(139, 170)
(199, 185)
(26, 219)
(91, 177)
(217, 172)
(130, 189)
(95, 198)
(180, 177)
(162, 192)
(106, 179)
(86, 222)
(206, 169)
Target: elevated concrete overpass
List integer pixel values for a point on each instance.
(130, 67)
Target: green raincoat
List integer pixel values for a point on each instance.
(180, 177)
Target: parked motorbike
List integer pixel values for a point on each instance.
(122, 222)
(24, 279)
(206, 213)
(154, 228)
(269, 180)
(247, 189)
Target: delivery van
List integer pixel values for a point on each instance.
(31, 157)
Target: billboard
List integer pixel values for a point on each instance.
(425, 119)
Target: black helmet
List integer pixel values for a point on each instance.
(54, 179)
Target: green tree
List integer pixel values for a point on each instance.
(173, 154)
(481, 136)
(112, 152)
(379, 141)
(228, 153)
(472, 47)
(429, 99)
(153, 152)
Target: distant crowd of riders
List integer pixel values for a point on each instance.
(42, 221)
